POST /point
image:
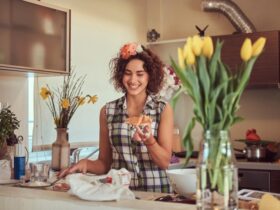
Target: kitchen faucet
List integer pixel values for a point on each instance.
(76, 154)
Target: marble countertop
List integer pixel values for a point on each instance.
(32, 199)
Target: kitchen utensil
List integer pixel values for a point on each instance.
(259, 142)
(254, 152)
(261, 150)
(52, 183)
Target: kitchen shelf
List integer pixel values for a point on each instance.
(166, 42)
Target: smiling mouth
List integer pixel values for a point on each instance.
(133, 87)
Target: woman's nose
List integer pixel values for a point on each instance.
(133, 78)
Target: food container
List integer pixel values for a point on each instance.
(183, 181)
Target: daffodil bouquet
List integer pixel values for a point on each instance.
(214, 89)
(63, 101)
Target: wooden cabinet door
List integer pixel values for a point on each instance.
(266, 70)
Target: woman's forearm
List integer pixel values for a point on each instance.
(160, 155)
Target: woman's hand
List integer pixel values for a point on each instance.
(81, 166)
(142, 134)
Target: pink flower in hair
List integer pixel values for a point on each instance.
(130, 49)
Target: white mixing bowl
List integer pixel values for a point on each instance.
(183, 181)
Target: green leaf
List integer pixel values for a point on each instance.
(204, 81)
(181, 74)
(214, 62)
(187, 139)
(245, 75)
(175, 97)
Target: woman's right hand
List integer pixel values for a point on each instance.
(81, 166)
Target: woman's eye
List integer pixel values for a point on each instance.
(127, 73)
(140, 75)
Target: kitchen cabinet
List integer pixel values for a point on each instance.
(35, 38)
(266, 70)
(263, 180)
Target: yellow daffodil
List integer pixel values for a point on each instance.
(246, 50)
(81, 100)
(258, 46)
(45, 93)
(207, 49)
(196, 44)
(181, 58)
(93, 99)
(65, 103)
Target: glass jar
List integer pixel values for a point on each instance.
(217, 178)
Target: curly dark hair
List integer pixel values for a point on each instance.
(152, 65)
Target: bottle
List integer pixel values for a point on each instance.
(176, 143)
(19, 161)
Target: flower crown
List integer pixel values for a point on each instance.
(130, 49)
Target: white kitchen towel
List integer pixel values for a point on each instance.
(109, 187)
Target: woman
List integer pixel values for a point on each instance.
(146, 153)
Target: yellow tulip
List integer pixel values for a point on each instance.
(190, 59)
(181, 58)
(258, 46)
(65, 103)
(93, 99)
(197, 44)
(187, 46)
(246, 50)
(45, 93)
(207, 49)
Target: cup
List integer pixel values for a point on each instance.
(39, 172)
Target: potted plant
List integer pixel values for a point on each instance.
(8, 124)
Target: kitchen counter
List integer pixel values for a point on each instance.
(32, 199)
(244, 164)
(241, 164)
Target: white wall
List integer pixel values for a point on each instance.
(13, 90)
(99, 29)
(177, 19)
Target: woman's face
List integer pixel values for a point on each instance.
(135, 78)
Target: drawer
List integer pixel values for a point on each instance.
(254, 179)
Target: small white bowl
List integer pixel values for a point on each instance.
(183, 181)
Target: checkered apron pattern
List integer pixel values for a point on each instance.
(133, 155)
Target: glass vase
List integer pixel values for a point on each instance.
(217, 179)
(61, 150)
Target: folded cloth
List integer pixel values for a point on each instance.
(112, 186)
